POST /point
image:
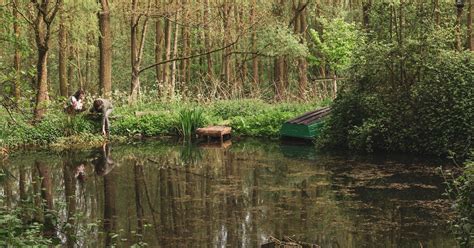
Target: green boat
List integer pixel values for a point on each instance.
(306, 126)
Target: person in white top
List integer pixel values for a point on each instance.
(75, 102)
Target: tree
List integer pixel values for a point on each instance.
(17, 56)
(42, 26)
(137, 41)
(470, 38)
(105, 49)
(63, 47)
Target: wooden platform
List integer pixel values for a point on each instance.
(306, 126)
(214, 132)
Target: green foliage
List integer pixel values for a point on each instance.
(430, 113)
(335, 45)
(147, 125)
(279, 40)
(150, 119)
(462, 188)
(15, 234)
(189, 120)
(257, 118)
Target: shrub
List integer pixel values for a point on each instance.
(430, 110)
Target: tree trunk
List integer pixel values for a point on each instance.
(300, 28)
(137, 45)
(62, 46)
(174, 69)
(166, 67)
(437, 12)
(42, 29)
(42, 83)
(226, 70)
(458, 29)
(255, 62)
(470, 38)
(105, 49)
(207, 42)
(366, 13)
(158, 47)
(185, 38)
(16, 57)
(279, 81)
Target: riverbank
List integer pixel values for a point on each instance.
(249, 117)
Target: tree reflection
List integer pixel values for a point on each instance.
(46, 201)
(103, 165)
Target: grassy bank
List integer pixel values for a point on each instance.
(150, 119)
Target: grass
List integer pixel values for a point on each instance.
(150, 119)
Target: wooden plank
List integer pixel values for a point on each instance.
(310, 117)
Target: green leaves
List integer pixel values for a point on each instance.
(336, 43)
(278, 40)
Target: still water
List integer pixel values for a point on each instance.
(166, 194)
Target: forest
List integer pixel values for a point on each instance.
(398, 76)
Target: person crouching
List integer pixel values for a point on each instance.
(75, 103)
(104, 107)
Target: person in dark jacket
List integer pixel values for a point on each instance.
(104, 107)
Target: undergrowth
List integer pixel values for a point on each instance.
(150, 119)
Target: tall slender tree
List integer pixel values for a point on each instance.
(137, 41)
(158, 45)
(62, 47)
(105, 49)
(470, 38)
(17, 55)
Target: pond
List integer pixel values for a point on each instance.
(166, 194)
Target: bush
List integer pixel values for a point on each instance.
(430, 110)
(463, 190)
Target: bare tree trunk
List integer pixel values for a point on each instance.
(105, 49)
(185, 38)
(158, 47)
(70, 69)
(207, 42)
(458, 29)
(62, 40)
(300, 28)
(226, 70)
(42, 83)
(279, 80)
(437, 12)
(17, 56)
(137, 45)
(366, 13)
(174, 70)
(166, 67)
(470, 38)
(255, 60)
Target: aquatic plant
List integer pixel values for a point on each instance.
(189, 120)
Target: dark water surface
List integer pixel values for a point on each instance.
(165, 194)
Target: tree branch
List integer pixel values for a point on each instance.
(190, 57)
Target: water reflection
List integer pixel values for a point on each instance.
(166, 194)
